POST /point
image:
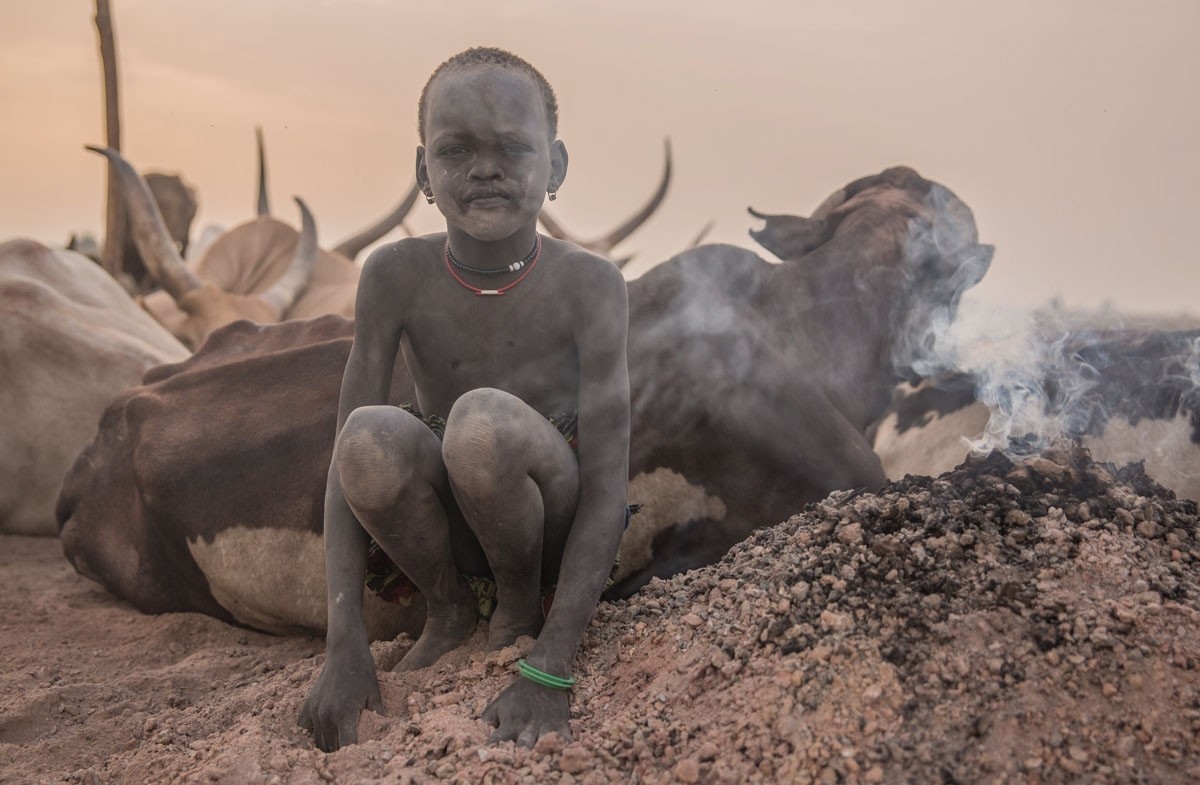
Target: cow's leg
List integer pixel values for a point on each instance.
(517, 482)
(390, 468)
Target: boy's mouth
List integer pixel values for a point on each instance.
(489, 198)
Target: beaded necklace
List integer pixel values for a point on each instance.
(512, 268)
(531, 259)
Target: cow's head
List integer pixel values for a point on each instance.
(176, 202)
(205, 305)
(902, 246)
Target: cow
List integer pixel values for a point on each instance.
(262, 270)
(176, 202)
(1125, 395)
(928, 426)
(756, 382)
(752, 386)
(72, 339)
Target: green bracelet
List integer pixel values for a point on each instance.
(545, 679)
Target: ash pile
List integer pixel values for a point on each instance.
(1006, 622)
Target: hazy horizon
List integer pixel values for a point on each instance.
(1069, 128)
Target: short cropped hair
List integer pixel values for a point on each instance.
(488, 55)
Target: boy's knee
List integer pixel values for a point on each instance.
(474, 433)
(370, 467)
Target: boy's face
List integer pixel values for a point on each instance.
(488, 158)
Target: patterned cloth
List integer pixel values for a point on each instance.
(386, 580)
(567, 423)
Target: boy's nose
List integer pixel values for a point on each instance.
(485, 168)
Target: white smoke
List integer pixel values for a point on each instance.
(1193, 363)
(1012, 352)
(1050, 372)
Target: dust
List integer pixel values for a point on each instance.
(1033, 622)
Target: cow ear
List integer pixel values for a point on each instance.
(789, 236)
(968, 265)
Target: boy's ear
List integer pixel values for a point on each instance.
(558, 163)
(422, 171)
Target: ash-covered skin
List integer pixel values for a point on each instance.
(500, 493)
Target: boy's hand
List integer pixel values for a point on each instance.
(342, 691)
(525, 712)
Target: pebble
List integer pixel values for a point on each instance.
(833, 621)
(688, 770)
(850, 534)
(575, 758)
(550, 744)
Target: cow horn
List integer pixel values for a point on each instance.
(699, 238)
(264, 206)
(150, 234)
(283, 294)
(353, 246)
(555, 230)
(606, 243)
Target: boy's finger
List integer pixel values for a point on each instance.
(528, 737)
(319, 738)
(499, 735)
(347, 731)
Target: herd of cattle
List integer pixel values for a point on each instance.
(177, 442)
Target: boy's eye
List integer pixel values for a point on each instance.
(517, 148)
(452, 150)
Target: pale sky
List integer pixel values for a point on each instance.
(1069, 127)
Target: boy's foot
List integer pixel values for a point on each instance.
(505, 627)
(443, 632)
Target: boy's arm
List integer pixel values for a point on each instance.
(603, 473)
(348, 682)
(527, 710)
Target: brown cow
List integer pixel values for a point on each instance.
(262, 270)
(752, 385)
(72, 339)
(177, 203)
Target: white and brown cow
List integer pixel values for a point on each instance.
(1127, 396)
(71, 339)
(752, 382)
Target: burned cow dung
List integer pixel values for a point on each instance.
(1032, 622)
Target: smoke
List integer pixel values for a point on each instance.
(1050, 373)
(1027, 371)
(1193, 363)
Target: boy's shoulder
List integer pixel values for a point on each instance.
(578, 263)
(406, 252)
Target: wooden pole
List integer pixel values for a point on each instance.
(115, 224)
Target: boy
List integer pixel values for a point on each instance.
(515, 342)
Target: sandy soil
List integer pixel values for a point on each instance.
(1035, 624)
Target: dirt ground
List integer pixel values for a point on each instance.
(1037, 623)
